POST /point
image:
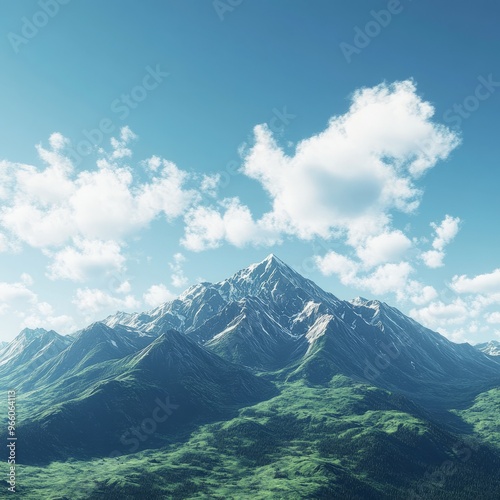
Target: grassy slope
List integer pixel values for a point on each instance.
(308, 442)
(484, 416)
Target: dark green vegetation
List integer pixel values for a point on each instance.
(272, 389)
(340, 440)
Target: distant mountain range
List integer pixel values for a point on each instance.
(492, 347)
(232, 360)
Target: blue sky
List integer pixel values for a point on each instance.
(131, 165)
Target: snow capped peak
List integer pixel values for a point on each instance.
(359, 301)
(32, 342)
(271, 259)
(491, 348)
(32, 333)
(371, 303)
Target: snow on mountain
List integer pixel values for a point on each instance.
(95, 344)
(31, 345)
(492, 348)
(267, 316)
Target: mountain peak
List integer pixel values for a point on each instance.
(273, 259)
(492, 347)
(359, 301)
(32, 333)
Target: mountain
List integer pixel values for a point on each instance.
(95, 344)
(492, 348)
(29, 350)
(260, 381)
(269, 317)
(172, 377)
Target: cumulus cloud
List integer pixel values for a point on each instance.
(388, 278)
(16, 295)
(389, 246)
(457, 319)
(120, 145)
(463, 317)
(178, 277)
(209, 184)
(493, 318)
(18, 300)
(482, 283)
(43, 316)
(444, 234)
(335, 263)
(383, 279)
(94, 300)
(343, 181)
(9, 244)
(420, 294)
(57, 141)
(362, 166)
(474, 310)
(49, 206)
(208, 227)
(85, 259)
(157, 295)
(439, 314)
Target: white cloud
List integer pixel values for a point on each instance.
(43, 316)
(460, 319)
(209, 184)
(16, 295)
(420, 294)
(493, 317)
(120, 149)
(385, 278)
(433, 258)
(57, 141)
(469, 313)
(389, 246)
(85, 259)
(444, 234)
(340, 265)
(26, 279)
(124, 287)
(345, 181)
(49, 206)
(483, 283)
(208, 227)
(178, 277)
(18, 300)
(439, 314)
(8, 244)
(351, 175)
(92, 301)
(157, 295)
(388, 278)
(37, 227)
(153, 163)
